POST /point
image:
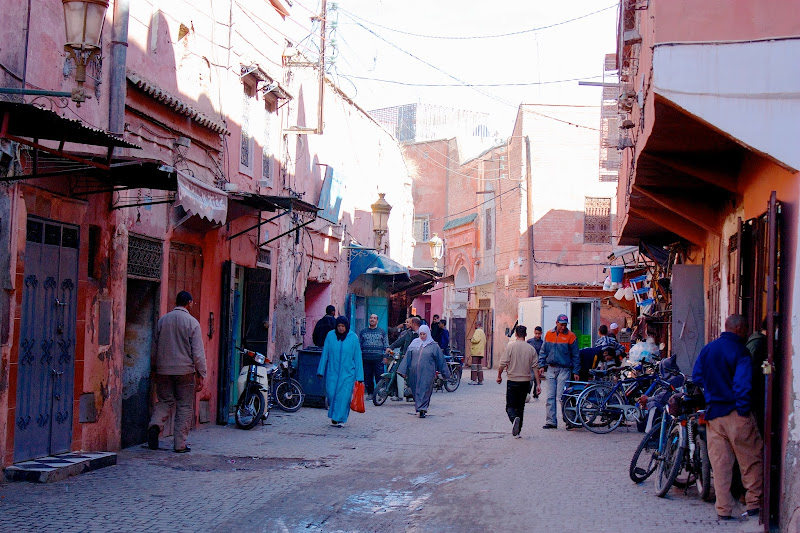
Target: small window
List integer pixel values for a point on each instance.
(69, 237)
(422, 231)
(35, 231)
(264, 258)
(248, 103)
(489, 238)
(52, 234)
(597, 221)
(267, 152)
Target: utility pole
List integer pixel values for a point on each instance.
(322, 39)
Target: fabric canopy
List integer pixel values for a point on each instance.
(364, 261)
(201, 199)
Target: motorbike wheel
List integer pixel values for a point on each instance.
(455, 379)
(289, 395)
(250, 408)
(381, 392)
(704, 475)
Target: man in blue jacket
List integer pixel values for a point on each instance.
(559, 358)
(723, 370)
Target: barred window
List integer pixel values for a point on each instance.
(597, 221)
(489, 229)
(248, 98)
(422, 228)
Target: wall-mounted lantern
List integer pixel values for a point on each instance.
(437, 249)
(83, 20)
(380, 219)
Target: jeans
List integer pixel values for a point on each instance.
(174, 392)
(516, 391)
(372, 374)
(557, 377)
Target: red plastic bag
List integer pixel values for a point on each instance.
(357, 401)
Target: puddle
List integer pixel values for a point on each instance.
(382, 501)
(424, 478)
(454, 478)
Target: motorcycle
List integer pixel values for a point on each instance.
(253, 389)
(455, 363)
(287, 392)
(387, 385)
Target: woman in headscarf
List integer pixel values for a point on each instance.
(341, 366)
(423, 358)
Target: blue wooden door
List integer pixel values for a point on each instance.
(379, 305)
(46, 369)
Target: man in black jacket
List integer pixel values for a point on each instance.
(324, 325)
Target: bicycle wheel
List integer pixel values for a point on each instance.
(570, 411)
(250, 409)
(594, 413)
(381, 391)
(645, 459)
(704, 472)
(289, 395)
(455, 379)
(671, 459)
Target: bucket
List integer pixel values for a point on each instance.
(616, 273)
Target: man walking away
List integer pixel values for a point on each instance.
(519, 360)
(444, 337)
(180, 368)
(374, 342)
(536, 341)
(723, 369)
(323, 326)
(477, 351)
(559, 358)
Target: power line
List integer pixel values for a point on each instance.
(467, 37)
(524, 84)
(480, 204)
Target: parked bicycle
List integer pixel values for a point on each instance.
(455, 362)
(683, 448)
(603, 406)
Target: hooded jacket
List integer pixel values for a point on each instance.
(560, 350)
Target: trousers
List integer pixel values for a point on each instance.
(372, 374)
(476, 373)
(557, 377)
(734, 437)
(174, 393)
(516, 391)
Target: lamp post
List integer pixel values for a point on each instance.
(83, 20)
(380, 218)
(437, 250)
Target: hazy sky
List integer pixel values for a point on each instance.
(372, 41)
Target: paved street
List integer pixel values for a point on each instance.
(459, 470)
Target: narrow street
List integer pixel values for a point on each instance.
(459, 470)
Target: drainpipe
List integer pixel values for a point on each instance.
(529, 192)
(119, 54)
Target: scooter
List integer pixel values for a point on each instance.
(253, 388)
(387, 385)
(287, 392)
(455, 362)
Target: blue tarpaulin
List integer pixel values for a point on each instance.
(366, 261)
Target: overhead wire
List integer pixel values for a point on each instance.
(468, 37)
(523, 84)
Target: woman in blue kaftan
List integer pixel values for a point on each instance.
(341, 365)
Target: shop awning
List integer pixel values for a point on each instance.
(419, 282)
(364, 261)
(29, 125)
(248, 203)
(201, 199)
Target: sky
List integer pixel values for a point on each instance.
(410, 43)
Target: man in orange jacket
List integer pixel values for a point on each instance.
(559, 358)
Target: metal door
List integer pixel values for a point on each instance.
(46, 369)
(256, 309)
(688, 315)
(458, 334)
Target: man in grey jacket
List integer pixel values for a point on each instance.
(180, 369)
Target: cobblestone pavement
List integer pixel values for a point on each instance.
(459, 470)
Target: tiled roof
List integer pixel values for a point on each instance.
(456, 222)
(177, 104)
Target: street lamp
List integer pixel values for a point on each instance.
(83, 20)
(380, 218)
(437, 249)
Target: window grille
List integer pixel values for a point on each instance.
(266, 149)
(248, 96)
(489, 229)
(597, 221)
(145, 257)
(422, 231)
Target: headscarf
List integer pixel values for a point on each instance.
(418, 343)
(342, 320)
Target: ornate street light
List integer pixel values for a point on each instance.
(83, 20)
(380, 218)
(437, 249)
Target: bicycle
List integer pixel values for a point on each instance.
(602, 407)
(683, 447)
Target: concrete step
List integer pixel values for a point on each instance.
(58, 467)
